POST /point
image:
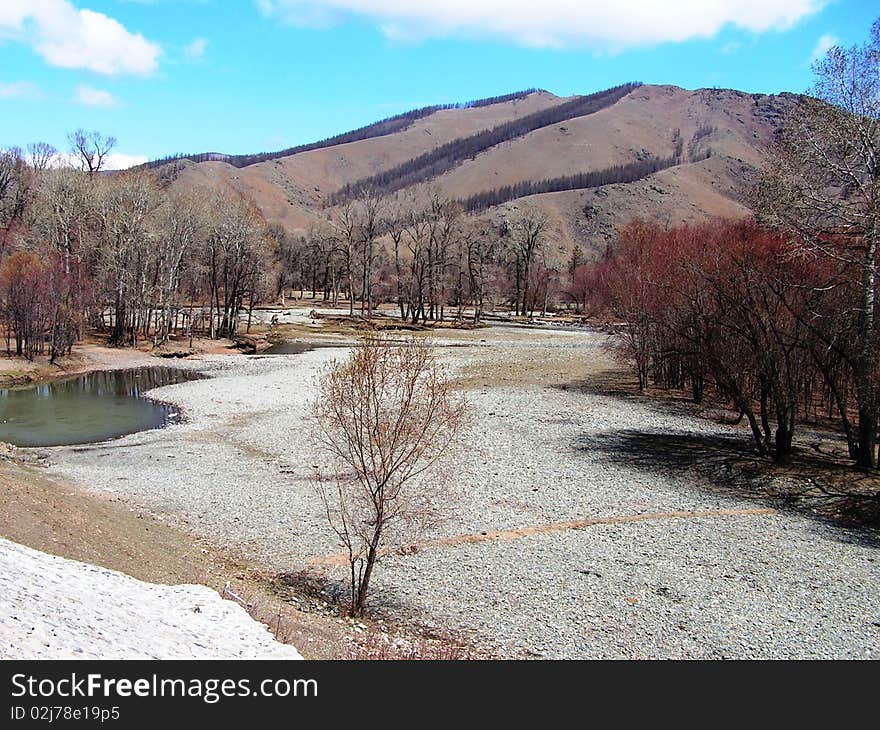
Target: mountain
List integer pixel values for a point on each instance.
(592, 162)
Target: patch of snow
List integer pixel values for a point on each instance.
(54, 608)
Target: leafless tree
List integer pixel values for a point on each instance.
(40, 154)
(386, 418)
(480, 244)
(347, 225)
(371, 209)
(418, 241)
(528, 237)
(61, 212)
(180, 226)
(395, 224)
(822, 184)
(236, 250)
(124, 208)
(91, 148)
(14, 185)
(444, 223)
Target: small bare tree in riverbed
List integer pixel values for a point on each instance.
(387, 417)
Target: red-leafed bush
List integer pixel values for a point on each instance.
(731, 303)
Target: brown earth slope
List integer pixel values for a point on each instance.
(731, 126)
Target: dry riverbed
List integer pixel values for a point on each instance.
(573, 536)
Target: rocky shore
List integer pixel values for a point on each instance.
(725, 582)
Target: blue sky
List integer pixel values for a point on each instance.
(238, 76)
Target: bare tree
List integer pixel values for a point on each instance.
(528, 238)
(418, 240)
(480, 247)
(395, 224)
(91, 148)
(180, 227)
(236, 250)
(13, 187)
(386, 418)
(371, 216)
(124, 209)
(347, 226)
(61, 212)
(822, 184)
(40, 154)
(444, 221)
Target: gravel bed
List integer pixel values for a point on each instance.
(239, 472)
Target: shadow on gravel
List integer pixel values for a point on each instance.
(810, 484)
(620, 384)
(320, 593)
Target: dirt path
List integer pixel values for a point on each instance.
(341, 559)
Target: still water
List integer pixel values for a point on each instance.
(295, 347)
(87, 408)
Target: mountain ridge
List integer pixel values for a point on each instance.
(669, 133)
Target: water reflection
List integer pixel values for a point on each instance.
(295, 347)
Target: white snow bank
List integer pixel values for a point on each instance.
(54, 608)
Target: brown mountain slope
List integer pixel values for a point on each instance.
(644, 122)
(687, 193)
(731, 126)
(322, 171)
(291, 190)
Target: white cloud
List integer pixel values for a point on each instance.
(553, 23)
(122, 161)
(113, 161)
(87, 96)
(19, 90)
(196, 47)
(823, 45)
(68, 37)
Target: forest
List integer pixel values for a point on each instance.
(130, 257)
(421, 252)
(723, 305)
(118, 253)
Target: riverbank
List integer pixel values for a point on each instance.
(93, 354)
(573, 537)
(57, 518)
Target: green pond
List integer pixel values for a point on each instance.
(88, 408)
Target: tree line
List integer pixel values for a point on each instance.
(121, 254)
(135, 259)
(435, 162)
(777, 315)
(383, 127)
(421, 252)
(626, 173)
(722, 305)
